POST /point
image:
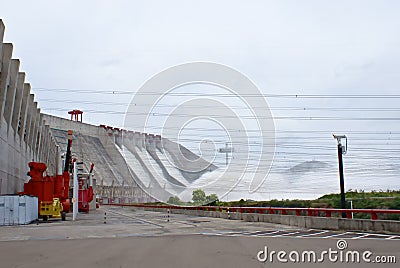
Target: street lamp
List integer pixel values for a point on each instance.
(342, 149)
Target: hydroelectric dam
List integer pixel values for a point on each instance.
(128, 165)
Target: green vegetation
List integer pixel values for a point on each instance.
(360, 199)
(174, 200)
(212, 200)
(353, 194)
(271, 203)
(199, 198)
(366, 200)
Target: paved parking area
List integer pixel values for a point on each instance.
(125, 237)
(111, 222)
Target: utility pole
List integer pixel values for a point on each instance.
(342, 149)
(227, 150)
(75, 192)
(226, 154)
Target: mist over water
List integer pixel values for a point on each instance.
(310, 183)
(302, 171)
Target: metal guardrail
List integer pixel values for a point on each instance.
(311, 212)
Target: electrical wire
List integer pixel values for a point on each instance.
(296, 96)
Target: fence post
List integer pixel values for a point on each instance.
(374, 216)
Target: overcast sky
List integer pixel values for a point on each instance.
(284, 47)
(299, 47)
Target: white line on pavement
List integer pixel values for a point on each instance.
(307, 235)
(334, 235)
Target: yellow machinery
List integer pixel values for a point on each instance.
(53, 209)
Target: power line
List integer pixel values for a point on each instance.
(296, 96)
(233, 107)
(315, 118)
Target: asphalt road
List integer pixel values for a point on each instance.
(147, 239)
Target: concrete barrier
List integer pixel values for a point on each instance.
(363, 225)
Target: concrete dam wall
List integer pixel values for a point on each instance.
(128, 164)
(24, 136)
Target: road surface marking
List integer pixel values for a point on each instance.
(267, 234)
(287, 234)
(334, 235)
(361, 236)
(306, 235)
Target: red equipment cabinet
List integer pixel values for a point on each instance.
(47, 187)
(85, 196)
(85, 192)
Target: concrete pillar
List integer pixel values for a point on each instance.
(39, 144)
(131, 138)
(143, 140)
(19, 159)
(127, 137)
(46, 145)
(28, 118)
(54, 154)
(151, 141)
(33, 127)
(36, 134)
(2, 28)
(11, 88)
(16, 115)
(24, 111)
(157, 141)
(117, 137)
(42, 145)
(136, 138)
(28, 121)
(51, 155)
(40, 152)
(35, 120)
(49, 147)
(6, 54)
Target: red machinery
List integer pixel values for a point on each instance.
(47, 187)
(85, 193)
